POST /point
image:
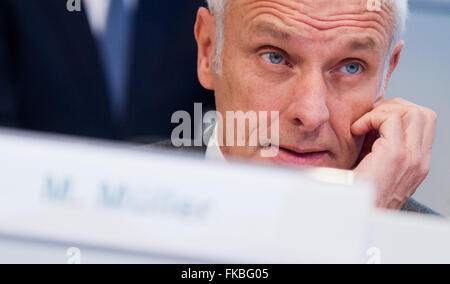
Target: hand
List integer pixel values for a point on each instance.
(399, 160)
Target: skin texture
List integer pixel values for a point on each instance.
(328, 116)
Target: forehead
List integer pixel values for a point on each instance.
(313, 19)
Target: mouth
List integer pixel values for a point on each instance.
(301, 157)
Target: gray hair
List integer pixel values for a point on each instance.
(217, 9)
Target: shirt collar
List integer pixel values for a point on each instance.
(213, 151)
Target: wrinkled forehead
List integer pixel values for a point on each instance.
(322, 8)
(316, 15)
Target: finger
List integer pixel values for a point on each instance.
(428, 132)
(382, 108)
(399, 101)
(428, 139)
(393, 101)
(429, 129)
(429, 119)
(389, 125)
(414, 123)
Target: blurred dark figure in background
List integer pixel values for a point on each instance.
(117, 69)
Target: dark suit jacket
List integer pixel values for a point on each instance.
(52, 79)
(410, 206)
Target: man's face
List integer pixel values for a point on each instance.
(320, 64)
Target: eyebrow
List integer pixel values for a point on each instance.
(272, 31)
(367, 43)
(362, 44)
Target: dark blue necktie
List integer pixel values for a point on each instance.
(114, 48)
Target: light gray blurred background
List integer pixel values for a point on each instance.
(423, 77)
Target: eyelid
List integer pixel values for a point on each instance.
(267, 54)
(269, 48)
(347, 61)
(272, 49)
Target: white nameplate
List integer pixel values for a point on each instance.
(73, 192)
(410, 238)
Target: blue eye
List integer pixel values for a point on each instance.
(352, 68)
(274, 58)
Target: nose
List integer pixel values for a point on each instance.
(308, 108)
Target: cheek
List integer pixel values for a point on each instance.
(343, 113)
(247, 90)
(236, 87)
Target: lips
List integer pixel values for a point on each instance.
(301, 157)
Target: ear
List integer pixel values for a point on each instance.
(393, 62)
(205, 34)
